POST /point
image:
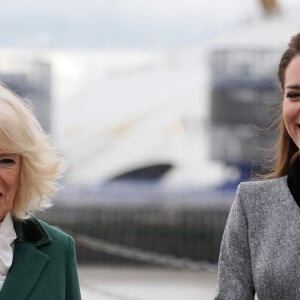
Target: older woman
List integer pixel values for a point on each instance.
(260, 251)
(37, 261)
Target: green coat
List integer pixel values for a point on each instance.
(44, 264)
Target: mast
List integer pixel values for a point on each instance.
(270, 7)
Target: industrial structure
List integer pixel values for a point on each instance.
(245, 94)
(30, 79)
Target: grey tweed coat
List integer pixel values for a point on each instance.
(260, 250)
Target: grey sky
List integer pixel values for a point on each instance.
(120, 23)
(113, 23)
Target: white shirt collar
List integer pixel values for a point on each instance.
(7, 237)
(7, 229)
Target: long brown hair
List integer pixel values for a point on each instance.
(286, 148)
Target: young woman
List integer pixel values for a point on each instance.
(260, 250)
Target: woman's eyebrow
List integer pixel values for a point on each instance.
(294, 86)
(6, 154)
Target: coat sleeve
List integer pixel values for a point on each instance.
(72, 282)
(235, 280)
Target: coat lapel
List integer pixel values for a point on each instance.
(28, 264)
(28, 261)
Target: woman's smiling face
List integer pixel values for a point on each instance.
(10, 169)
(291, 100)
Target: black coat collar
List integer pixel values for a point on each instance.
(293, 180)
(31, 231)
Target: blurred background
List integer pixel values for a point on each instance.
(160, 109)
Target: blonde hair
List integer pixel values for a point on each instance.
(21, 133)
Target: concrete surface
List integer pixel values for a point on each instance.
(139, 283)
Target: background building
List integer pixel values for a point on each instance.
(31, 79)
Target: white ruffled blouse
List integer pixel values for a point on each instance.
(7, 238)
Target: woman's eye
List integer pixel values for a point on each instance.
(7, 161)
(293, 95)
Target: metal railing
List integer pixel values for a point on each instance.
(186, 234)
